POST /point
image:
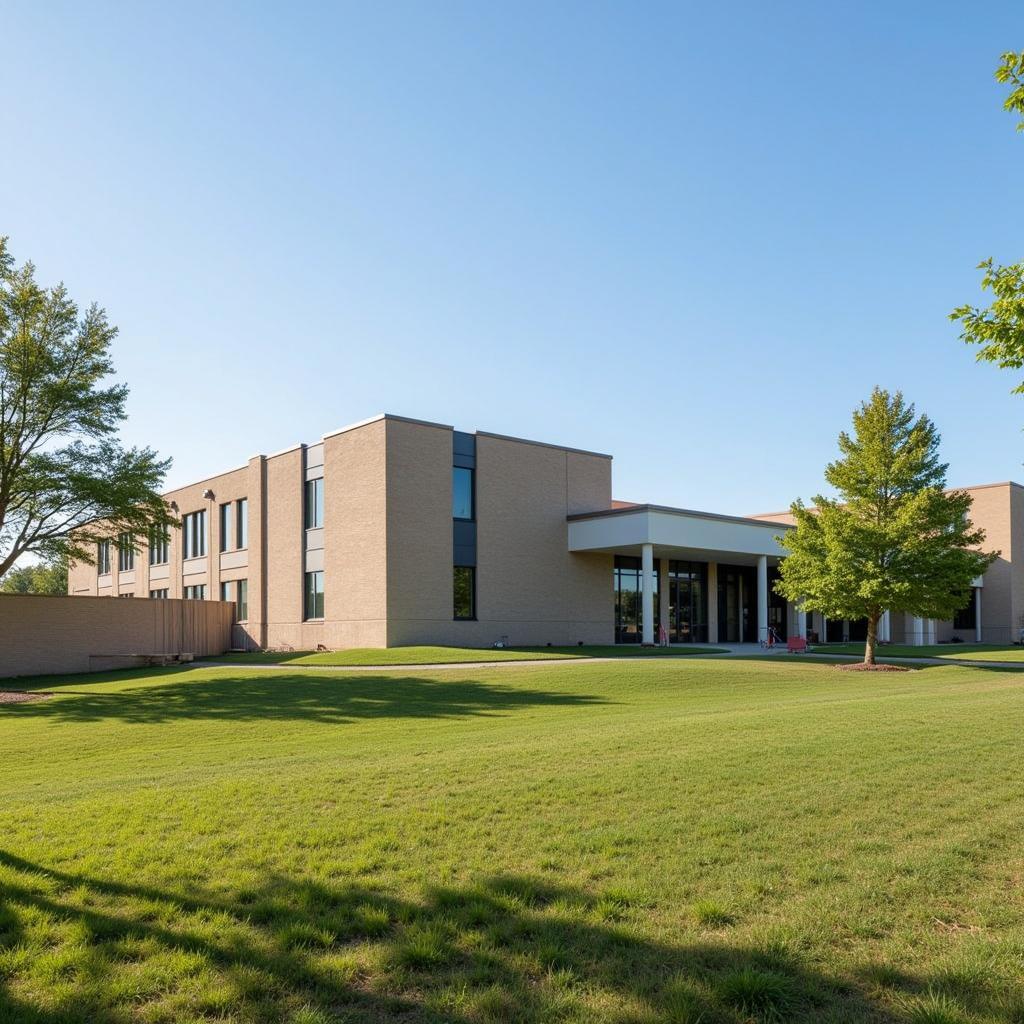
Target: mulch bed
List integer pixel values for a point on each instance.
(861, 667)
(21, 697)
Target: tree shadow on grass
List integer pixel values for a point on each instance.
(301, 696)
(78, 949)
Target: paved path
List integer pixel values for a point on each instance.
(434, 666)
(746, 650)
(731, 651)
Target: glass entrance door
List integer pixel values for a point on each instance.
(737, 604)
(629, 625)
(688, 602)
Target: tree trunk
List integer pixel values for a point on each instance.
(872, 640)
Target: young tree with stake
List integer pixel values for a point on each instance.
(894, 539)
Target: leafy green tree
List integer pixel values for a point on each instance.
(42, 578)
(65, 481)
(894, 538)
(999, 328)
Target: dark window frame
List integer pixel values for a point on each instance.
(241, 524)
(313, 502)
(471, 617)
(225, 526)
(103, 558)
(193, 529)
(159, 546)
(125, 552)
(310, 608)
(471, 518)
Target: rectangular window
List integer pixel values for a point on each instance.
(125, 595)
(103, 558)
(125, 552)
(462, 493)
(193, 532)
(225, 526)
(225, 591)
(314, 595)
(159, 546)
(160, 595)
(242, 523)
(196, 593)
(242, 600)
(465, 592)
(314, 503)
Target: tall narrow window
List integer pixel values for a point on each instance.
(314, 595)
(242, 600)
(225, 591)
(193, 532)
(125, 552)
(225, 526)
(314, 503)
(103, 558)
(159, 545)
(462, 493)
(242, 523)
(465, 592)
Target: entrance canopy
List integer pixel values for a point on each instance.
(676, 533)
(684, 537)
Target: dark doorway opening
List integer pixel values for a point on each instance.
(737, 604)
(778, 619)
(687, 602)
(858, 629)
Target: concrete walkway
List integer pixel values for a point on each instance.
(747, 650)
(725, 651)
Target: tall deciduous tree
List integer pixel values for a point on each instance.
(65, 480)
(999, 328)
(894, 538)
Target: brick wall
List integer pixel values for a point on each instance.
(44, 635)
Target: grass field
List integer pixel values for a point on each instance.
(673, 841)
(362, 656)
(954, 652)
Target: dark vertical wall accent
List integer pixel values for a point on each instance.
(464, 531)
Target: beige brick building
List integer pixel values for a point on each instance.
(994, 613)
(353, 541)
(395, 531)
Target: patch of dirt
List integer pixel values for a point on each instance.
(954, 927)
(861, 667)
(21, 696)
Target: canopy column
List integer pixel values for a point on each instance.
(762, 597)
(647, 593)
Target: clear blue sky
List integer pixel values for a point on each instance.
(692, 235)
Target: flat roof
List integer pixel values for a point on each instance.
(630, 509)
(972, 487)
(376, 419)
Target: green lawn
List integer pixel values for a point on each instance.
(363, 656)
(970, 652)
(662, 841)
